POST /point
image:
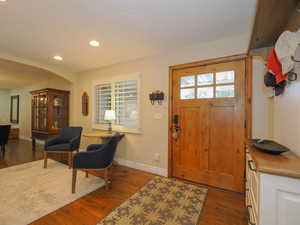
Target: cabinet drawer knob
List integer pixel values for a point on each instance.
(251, 165)
(249, 218)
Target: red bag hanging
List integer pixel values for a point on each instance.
(274, 66)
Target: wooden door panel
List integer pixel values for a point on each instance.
(209, 149)
(193, 139)
(221, 152)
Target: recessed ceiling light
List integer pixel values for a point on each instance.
(58, 58)
(94, 43)
(2, 0)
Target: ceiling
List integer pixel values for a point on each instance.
(128, 29)
(284, 15)
(16, 75)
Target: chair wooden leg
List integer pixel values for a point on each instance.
(74, 180)
(45, 159)
(106, 179)
(86, 174)
(70, 159)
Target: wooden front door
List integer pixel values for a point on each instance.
(208, 113)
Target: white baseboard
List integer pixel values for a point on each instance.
(123, 162)
(40, 142)
(144, 167)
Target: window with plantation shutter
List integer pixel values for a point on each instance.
(120, 94)
(103, 94)
(126, 107)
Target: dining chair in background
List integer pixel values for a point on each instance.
(4, 134)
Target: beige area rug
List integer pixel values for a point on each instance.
(28, 191)
(162, 201)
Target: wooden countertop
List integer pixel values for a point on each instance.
(287, 164)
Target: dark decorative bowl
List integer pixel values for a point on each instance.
(268, 146)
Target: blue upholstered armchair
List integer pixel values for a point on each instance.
(97, 157)
(66, 142)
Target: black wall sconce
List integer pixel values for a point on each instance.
(158, 96)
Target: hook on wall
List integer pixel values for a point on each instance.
(156, 96)
(295, 60)
(292, 76)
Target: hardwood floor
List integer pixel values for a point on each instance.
(221, 207)
(18, 152)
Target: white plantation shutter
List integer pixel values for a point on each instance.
(120, 94)
(103, 95)
(126, 103)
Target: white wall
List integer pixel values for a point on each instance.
(287, 114)
(140, 148)
(262, 102)
(4, 106)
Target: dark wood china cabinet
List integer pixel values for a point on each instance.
(50, 113)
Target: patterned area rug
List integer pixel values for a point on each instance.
(28, 191)
(162, 201)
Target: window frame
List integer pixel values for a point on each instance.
(113, 80)
(214, 85)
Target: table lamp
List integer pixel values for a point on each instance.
(109, 115)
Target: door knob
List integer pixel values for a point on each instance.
(176, 127)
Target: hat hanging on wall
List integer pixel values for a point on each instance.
(274, 77)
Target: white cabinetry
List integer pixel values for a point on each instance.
(271, 199)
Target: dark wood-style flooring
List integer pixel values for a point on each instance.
(221, 207)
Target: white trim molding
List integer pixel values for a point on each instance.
(123, 162)
(143, 167)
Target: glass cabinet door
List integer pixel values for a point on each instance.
(39, 112)
(34, 113)
(42, 112)
(58, 105)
